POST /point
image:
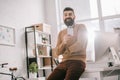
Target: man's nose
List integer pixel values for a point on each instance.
(68, 16)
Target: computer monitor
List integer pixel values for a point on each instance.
(103, 42)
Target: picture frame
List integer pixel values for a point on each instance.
(7, 36)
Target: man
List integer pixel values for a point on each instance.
(71, 44)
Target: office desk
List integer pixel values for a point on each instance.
(99, 73)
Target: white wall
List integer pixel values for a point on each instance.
(51, 18)
(18, 14)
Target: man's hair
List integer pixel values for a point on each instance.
(68, 9)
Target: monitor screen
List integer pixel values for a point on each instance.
(102, 42)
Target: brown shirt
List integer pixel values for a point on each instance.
(76, 48)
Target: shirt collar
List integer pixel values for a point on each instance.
(72, 26)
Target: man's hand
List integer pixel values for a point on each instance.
(68, 39)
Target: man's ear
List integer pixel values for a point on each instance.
(74, 16)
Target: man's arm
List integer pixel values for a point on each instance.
(60, 48)
(81, 42)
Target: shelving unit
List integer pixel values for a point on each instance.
(38, 49)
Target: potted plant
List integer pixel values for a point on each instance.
(33, 69)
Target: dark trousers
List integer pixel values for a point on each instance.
(68, 70)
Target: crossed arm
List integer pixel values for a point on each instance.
(76, 46)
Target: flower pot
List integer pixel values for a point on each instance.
(32, 75)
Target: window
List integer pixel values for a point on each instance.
(83, 9)
(110, 24)
(97, 15)
(112, 8)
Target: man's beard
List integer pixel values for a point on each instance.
(69, 22)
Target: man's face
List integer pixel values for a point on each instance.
(68, 17)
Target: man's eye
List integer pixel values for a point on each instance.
(70, 14)
(65, 14)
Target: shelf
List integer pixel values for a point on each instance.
(43, 56)
(38, 32)
(42, 32)
(32, 57)
(39, 78)
(38, 42)
(42, 44)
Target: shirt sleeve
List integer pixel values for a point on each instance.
(81, 42)
(60, 47)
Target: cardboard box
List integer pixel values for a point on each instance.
(43, 27)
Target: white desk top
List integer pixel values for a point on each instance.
(95, 69)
